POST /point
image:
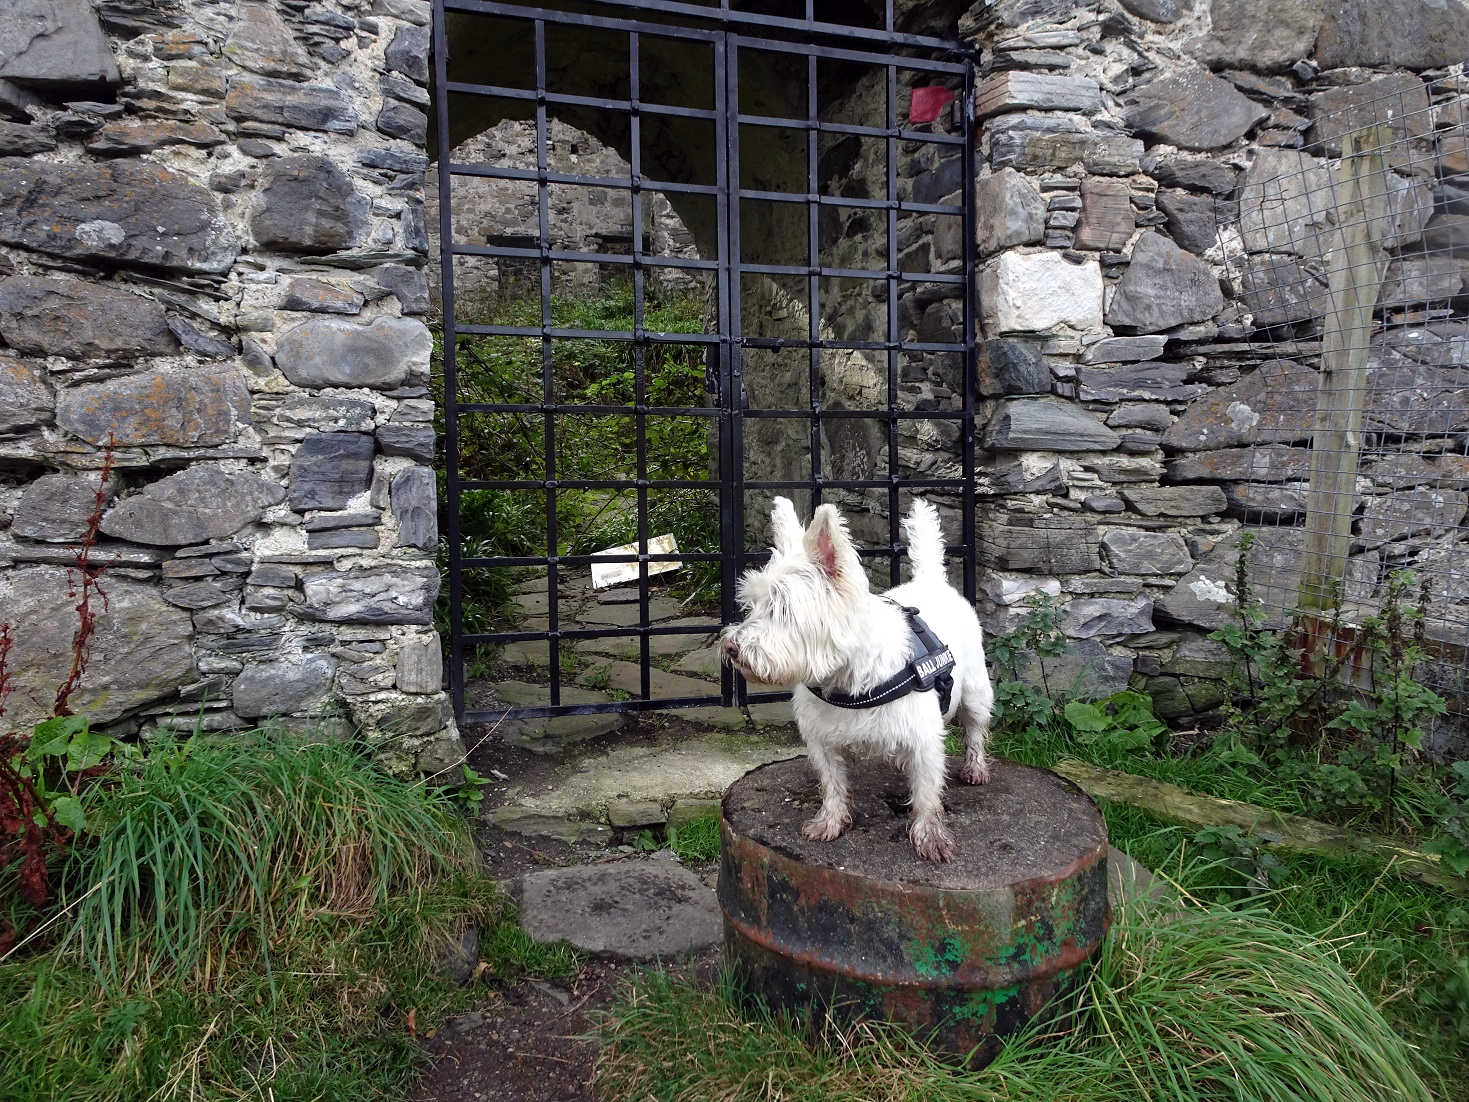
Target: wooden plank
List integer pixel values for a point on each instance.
(1288, 832)
(1355, 277)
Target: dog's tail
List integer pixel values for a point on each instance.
(925, 540)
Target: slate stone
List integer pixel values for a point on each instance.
(414, 498)
(1264, 463)
(1411, 513)
(196, 407)
(1267, 502)
(939, 321)
(54, 44)
(1012, 367)
(1107, 220)
(315, 296)
(1283, 202)
(132, 138)
(407, 53)
(200, 503)
(1045, 424)
(363, 518)
(1018, 478)
(1050, 546)
(1260, 35)
(1196, 174)
(22, 141)
(25, 397)
(376, 595)
(200, 595)
(416, 441)
(1149, 380)
(400, 120)
(1123, 350)
(1408, 34)
(1038, 292)
(1408, 469)
(1158, 11)
(1086, 671)
(280, 688)
(1019, 90)
(1174, 501)
(1416, 281)
(1193, 220)
(1008, 211)
(69, 317)
(420, 665)
(260, 41)
(1398, 101)
(286, 103)
(330, 352)
(140, 651)
(630, 910)
(1204, 597)
(1093, 616)
(57, 507)
(1163, 287)
(1140, 415)
(308, 205)
(1193, 110)
(192, 339)
(118, 212)
(1134, 551)
(1048, 141)
(329, 469)
(410, 285)
(1278, 290)
(328, 413)
(16, 102)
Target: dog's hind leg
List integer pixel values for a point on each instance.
(835, 815)
(976, 704)
(925, 767)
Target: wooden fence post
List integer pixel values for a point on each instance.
(1355, 277)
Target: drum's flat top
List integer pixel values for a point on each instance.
(1026, 823)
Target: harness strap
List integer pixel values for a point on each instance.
(931, 668)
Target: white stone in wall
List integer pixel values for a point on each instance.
(1038, 292)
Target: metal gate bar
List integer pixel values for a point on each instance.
(717, 29)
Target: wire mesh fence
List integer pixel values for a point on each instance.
(1346, 450)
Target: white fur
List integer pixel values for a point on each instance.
(811, 620)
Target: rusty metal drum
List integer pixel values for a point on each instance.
(966, 953)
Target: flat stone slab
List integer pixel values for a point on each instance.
(632, 910)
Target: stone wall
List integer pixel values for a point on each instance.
(1151, 302)
(212, 250)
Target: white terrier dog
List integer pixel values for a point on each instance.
(812, 623)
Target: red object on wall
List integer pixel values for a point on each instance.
(928, 103)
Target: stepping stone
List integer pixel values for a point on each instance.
(559, 733)
(704, 662)
(630, 910)
(774, 713)
(659, 646)
(558, 828)
(622, 616)
(628, 677)
(714, 716)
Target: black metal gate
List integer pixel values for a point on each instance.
(907, 77)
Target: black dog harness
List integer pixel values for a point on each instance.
(932, 667)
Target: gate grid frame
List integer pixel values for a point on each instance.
(727, 31)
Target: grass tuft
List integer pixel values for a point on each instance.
(697, 839)
(1214, 1002)
(215, 849)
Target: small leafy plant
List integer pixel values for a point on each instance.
(1123, 721)
(1019, 704)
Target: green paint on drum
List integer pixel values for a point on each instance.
(967, 953)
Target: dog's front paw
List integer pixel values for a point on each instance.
(826, 828)
(975, 772)
(932, 841)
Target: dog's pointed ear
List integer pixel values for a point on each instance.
(830, 547)
(785, 528)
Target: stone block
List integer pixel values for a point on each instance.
(1136, 551)
(416, 441)
(1018, 90)
(415, 505)
(1196, 174)
(1150, 381)
(280, 688)
(128, 138)
(329, 469)
(1406, 34)
(1012, 367)
(25, 396)
(1005, 544)
(1038, 292)
(1429, 512)
(55, 44)
(1192, 110)
(1259, 35)
(120, 212)
(375, 595)
(1278, 290)
(1266, 463)
(308, 205)
(1045, 424)
(328, 352)
(198, 504)
(1092, 616)
(1163, 287)
(70, 317)
(1193, 220)
(1174, 501)
(318, 297)
(1008, 210)
(1107, 220)
(287, 103)
(260, 41)
(420, 665)
(1124, 350)
(1058, 142)
(196, 407)
(1086, 671)
(56, 507)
